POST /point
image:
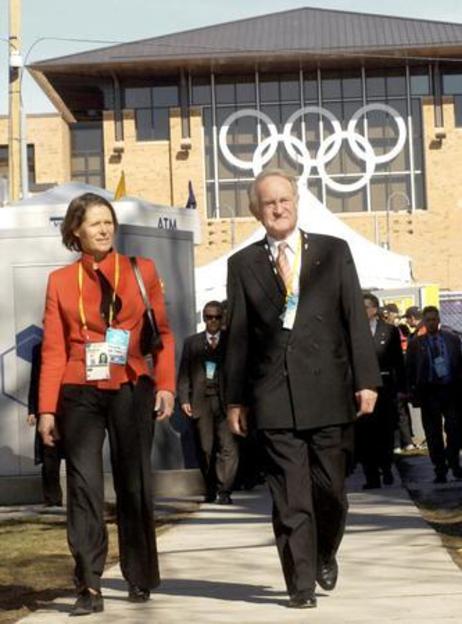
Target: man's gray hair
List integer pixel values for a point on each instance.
(252, 190)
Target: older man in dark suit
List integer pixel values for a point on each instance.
(200, 393)
(299, 349)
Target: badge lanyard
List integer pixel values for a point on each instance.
(295, 270)
(83, 318)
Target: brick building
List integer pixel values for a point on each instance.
(158, 110)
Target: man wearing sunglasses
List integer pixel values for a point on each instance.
(200, 392)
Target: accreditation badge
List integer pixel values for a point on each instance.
(440, 366)
(118, 341)
(210, 370)
(97, 361)
(290, 311)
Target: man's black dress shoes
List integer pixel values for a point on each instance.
(224, 498)
(327, 574)
(138, 594)
(88, 603)
(302, 600)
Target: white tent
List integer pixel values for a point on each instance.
(377, 267)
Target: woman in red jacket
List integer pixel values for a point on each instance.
(95, 376)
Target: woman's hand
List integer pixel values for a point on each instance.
(47, 429)
(165, 402)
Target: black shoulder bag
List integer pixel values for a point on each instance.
(150, 341)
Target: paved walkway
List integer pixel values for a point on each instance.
(220, 566)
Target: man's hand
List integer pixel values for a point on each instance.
(187, 409)
(31, 420)
(164, 404)
(365, 400)
(47, 429)
(237, 419)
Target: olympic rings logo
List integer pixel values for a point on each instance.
(328, 149)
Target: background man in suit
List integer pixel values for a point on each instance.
(375, 434)
(200, 392)
(298, 348)
(434, 368)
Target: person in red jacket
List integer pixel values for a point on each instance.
(96, 377)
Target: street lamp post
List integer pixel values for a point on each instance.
(14, 82)
(388, 208)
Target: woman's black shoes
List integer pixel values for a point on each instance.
(88, 603)
(138, 594)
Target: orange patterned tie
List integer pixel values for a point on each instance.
(283, 265)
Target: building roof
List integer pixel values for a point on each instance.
(306, 30)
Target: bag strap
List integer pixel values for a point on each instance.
(144, 295)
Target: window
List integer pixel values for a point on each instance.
(30, 163)
(87, 163)
(340, 92)
(151, 105)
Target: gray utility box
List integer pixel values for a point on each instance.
(27, 256)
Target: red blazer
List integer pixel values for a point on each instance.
(63, 350)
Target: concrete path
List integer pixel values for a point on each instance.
(220, 566)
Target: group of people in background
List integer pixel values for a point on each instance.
(303, 364)
(420, 364)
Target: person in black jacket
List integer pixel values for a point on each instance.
(200, 393)
(434, 369)
(375, 433)
(299, 349)
(49, 456)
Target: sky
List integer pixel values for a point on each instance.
(114, 21)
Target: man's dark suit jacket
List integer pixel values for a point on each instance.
(192, 380)
(390, 355)
(418, 360)
(304, 378)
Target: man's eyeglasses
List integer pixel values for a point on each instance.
(213, 317)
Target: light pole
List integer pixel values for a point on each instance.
(388, 208)
(14, 102)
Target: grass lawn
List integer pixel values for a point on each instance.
(35, 565)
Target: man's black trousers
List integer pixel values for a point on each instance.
(127, 415)
(218, 449)
(306, 476)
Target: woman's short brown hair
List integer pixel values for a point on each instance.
(75, 216)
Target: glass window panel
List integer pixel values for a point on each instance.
(94, 163)
(352, 86)
(396, 83)
(228, 200)
(95, 180)
(165, 95)
(86, 138)
(375, 85)
(201, 91)
(420, 81)
(458, 111)
(207, 121)
(315, 187)
(269, 89)
(350, 162)
(209, 172)
(144, 126)
(416, 107)
(245, 90)
(418, 155)
(225, 169)
(290, 88)
(211, 211)
(331, 87)
(78, 163)
(355, 202)
(243, 199)
(224, 91)
(334, 201)
(310, 88)
(275, 114)
(378, 187)
(161, 124)
(452, 83)
(419, 192)
(79, 178)
(137, 97)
